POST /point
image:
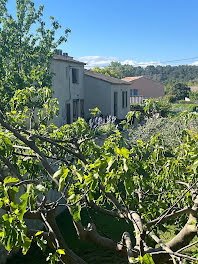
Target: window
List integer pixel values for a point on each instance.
(82, 114)
(75, 108)
(135, 92)
(124, 99)
(68, 113)
(75, 75)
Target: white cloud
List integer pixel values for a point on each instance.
(100, 61)
(93, 61)
(142, 64)
(194, 63)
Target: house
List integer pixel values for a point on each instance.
(143, 88)
(194, 88)
(68, 87)
(110, 95)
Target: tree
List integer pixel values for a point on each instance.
(107, 71)
(26, 52)
(180, 90)
(147, 184)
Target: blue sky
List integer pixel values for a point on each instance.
(133, 31)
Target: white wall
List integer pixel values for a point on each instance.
(64, 90)
(97, 94)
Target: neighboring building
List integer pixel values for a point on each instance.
(68, 87)
(144, 88)
(194, 88)
(110, 95)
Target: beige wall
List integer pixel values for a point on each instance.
(64, 90)
(148, 88)
(97, 94)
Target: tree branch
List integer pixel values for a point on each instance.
(171, 216)
(105, 211)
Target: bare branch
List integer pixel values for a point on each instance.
(183, 183)
(180, 197)
(105, 211)
(11, 167)
(176, 254)
(126, 240)
(184, 237)
(90, 234)
(164, 246)
(188, 246)
(112, 198)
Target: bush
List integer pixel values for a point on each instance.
(159, 105)
(180, 90)
(137, 107)
(193, 96)
(170, 98)
(170, 128)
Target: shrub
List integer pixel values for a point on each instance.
(193, 96)
(170, 128)
(137, 107)
(170, 98)
(159, 105)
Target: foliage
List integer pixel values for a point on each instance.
(106, 71)
(137, 183)
(165, 74)
(193, 96)
(170, 98)
(184, 106)
(25, 56)
(169, 128)
(169, 75)
(159, 105)
(137, 107)
(180, 90)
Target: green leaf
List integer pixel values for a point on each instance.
(194, 166)
(23, 205)
(26, 245)
(125, 152)
(38, 233)
(58, 173)
(110, 163)
(75, 211)
(61, 184)
(147, 259)
(10, 179)
(60, 251)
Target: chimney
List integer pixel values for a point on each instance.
(59, 52)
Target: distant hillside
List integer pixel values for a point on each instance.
(165, 74)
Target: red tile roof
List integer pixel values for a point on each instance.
(130, 79)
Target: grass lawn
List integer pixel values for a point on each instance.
(179, 107)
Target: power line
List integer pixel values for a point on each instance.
(185, 59)
(136, 64)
